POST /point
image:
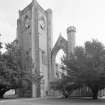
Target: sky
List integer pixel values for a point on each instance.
(88, 16)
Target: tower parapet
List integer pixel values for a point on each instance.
(71, 29)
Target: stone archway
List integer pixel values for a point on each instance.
(60, 44)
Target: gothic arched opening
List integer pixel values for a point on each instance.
(58, 51)
(58, 63)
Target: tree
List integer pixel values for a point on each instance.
(4, 83)
(87, 66)
(64, 85)
(20, 63)
(13, 74)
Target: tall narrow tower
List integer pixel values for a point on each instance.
(71, 39)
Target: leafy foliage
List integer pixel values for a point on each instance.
(13, 72)
(86, 67)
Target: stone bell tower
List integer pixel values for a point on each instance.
(34, 33)
(71, 31)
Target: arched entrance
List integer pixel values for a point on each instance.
(60, 44)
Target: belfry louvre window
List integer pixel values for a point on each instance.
(44, 58)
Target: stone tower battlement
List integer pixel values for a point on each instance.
(34, 33)
(71, 29)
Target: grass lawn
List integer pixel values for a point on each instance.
(52, 101)
(74, 101)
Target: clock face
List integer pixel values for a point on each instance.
(27, 22)
(42, 23)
